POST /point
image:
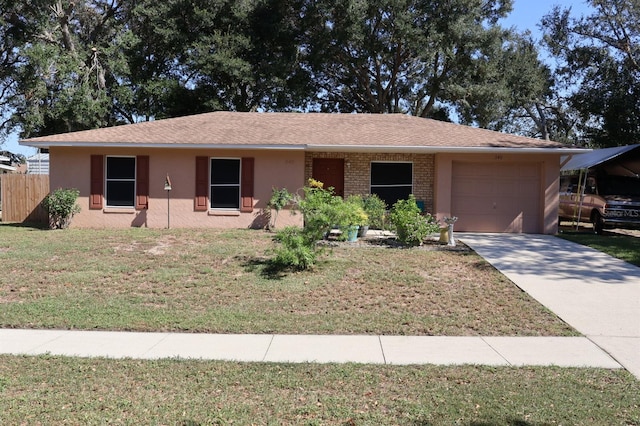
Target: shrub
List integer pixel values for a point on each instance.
(61, 205)
(357, 213)
(376, 209)
(297, 249)
(350, 212)
(320, 208)
(410, 225)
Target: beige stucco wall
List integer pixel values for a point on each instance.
(548, 195)
(70, 168)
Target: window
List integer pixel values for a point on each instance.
(225, 183)
(392, 181)
(121, 182)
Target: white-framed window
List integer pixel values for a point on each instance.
(120, 182)
(225, 181)
(392, 181)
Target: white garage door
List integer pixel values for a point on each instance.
(490, 197)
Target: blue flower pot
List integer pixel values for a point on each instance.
(352, 233)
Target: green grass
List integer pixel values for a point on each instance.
(171, 392)
(625, 247)
(220, 281)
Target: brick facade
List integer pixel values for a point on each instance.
(357, 171)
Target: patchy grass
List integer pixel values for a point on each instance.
(625, 247)
(172, 392)
(220, 281)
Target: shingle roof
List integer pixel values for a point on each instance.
(310, 131)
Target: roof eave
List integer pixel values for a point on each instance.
(445, 149)
(44, 144)
(319, 148)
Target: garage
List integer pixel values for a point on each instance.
(497, 197)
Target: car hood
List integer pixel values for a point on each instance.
(621, 199)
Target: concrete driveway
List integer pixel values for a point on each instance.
(593, 292)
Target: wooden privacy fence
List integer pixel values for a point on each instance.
(22, 197)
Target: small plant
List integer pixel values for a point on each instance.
(351, 212)
(297, 249)
(61, 205)
(280, 198)
(358, 214)
(320, 208)
(376, 210)
(410, 225)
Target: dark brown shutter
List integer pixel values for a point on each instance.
(142, 182)
(246, 185)
(202, 184)
(97, 182)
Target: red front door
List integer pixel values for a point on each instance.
(330, 171)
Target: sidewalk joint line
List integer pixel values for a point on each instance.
(496, 351)
(384, 358)
(35, 350)
(588, 337)
(273, 336)
(164, 335)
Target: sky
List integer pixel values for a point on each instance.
(526, 15)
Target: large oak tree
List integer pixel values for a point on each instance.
(598, 58)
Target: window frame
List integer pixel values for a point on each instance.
(372, 186)
(234, 185)
(134, 180)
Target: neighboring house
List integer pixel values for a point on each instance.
(5, 165)
(223, 166)
(38, 164)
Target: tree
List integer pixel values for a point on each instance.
(60, 59)
(599, 68)
(75, 65)
(414, 56)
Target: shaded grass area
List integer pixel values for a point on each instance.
(98, 391)
(625, 247)
(220, 281)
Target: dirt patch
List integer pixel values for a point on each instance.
(162, 246)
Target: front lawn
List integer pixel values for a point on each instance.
(625, 247)
(58, 390)
(219, 281)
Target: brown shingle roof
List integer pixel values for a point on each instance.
(311, 131)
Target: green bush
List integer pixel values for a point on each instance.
(376, 210)
(297, 249)
(321, 210)
(410, 225)
(356, 212)
(61, 205)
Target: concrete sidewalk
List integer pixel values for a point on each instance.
(593, 292)
(393, 350)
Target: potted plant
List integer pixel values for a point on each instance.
(363, 222)
(350, 216)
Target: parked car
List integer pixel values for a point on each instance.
(607, 201)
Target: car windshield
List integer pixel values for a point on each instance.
(620, 185)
